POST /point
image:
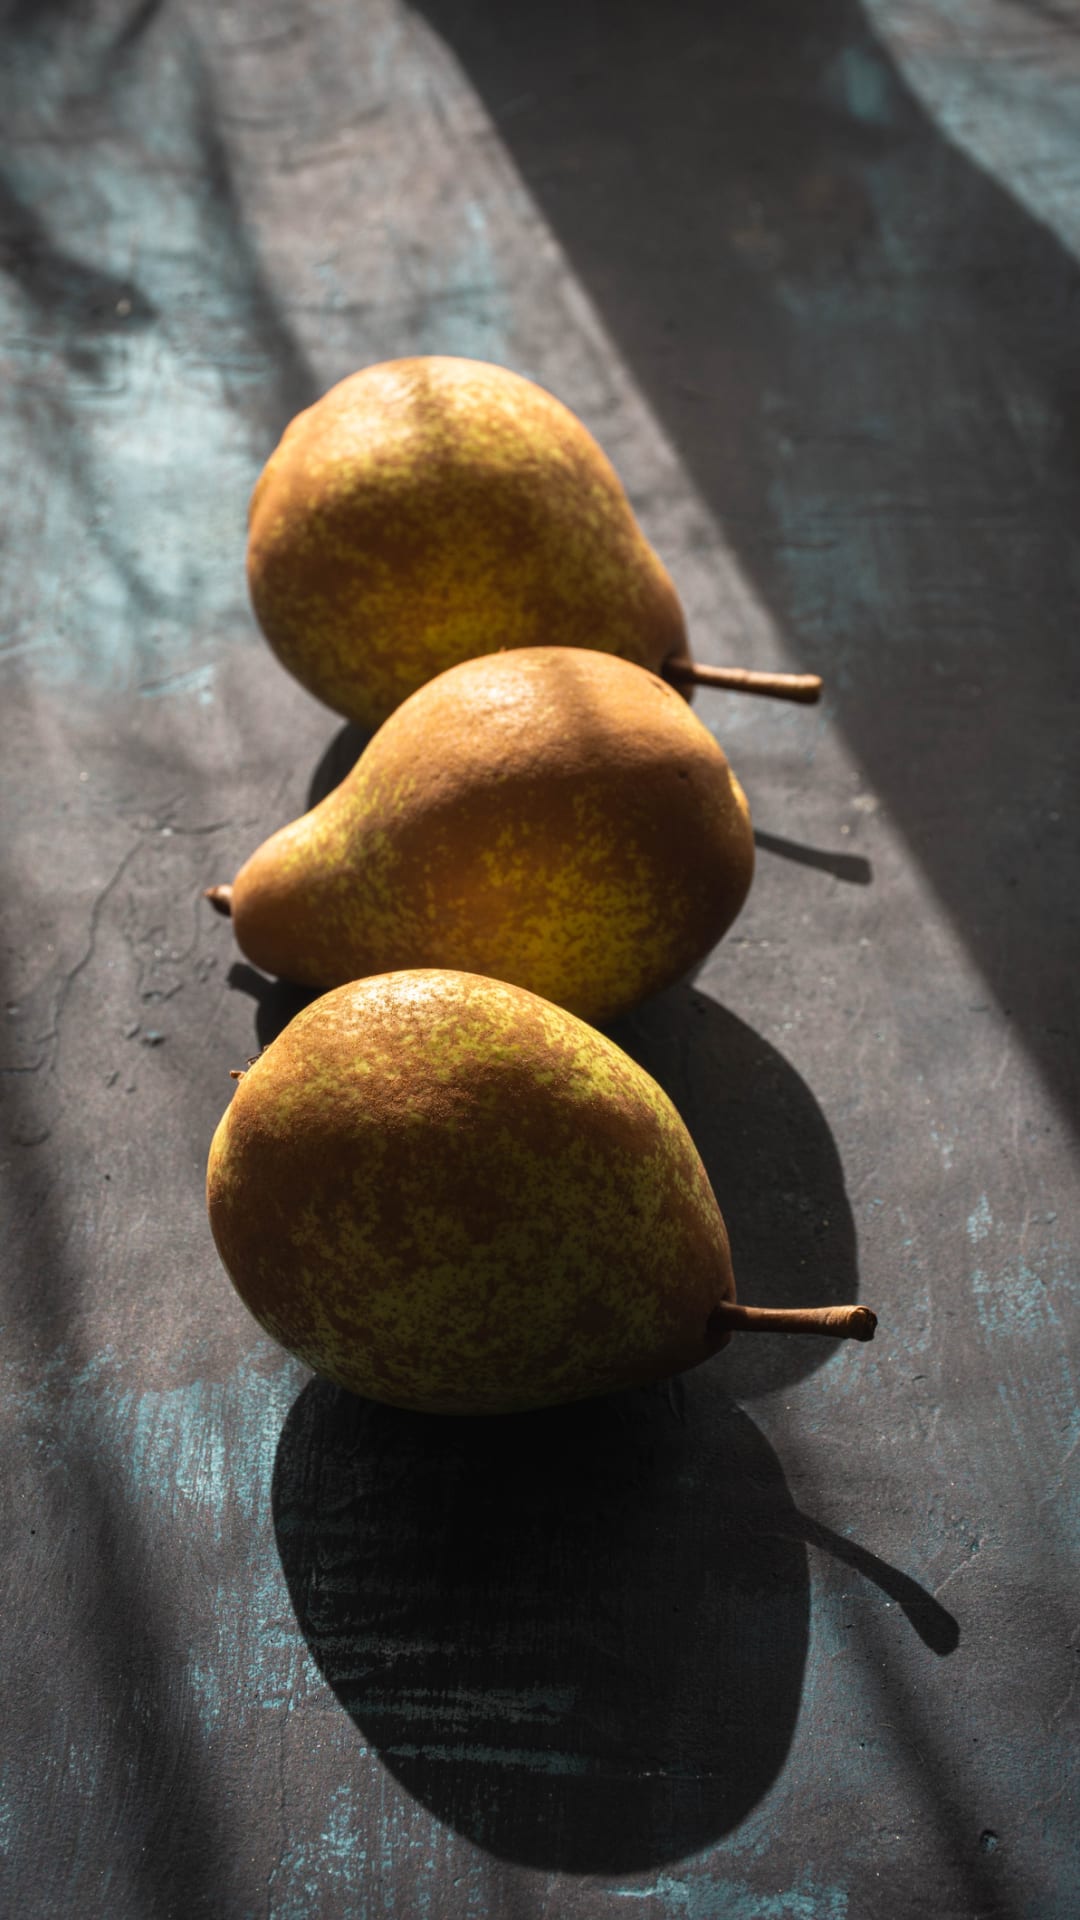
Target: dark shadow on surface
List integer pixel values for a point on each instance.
(84, 298)
(288, 384)
(27, 20)
(92, 1632)
(120, 1793)
(83, 311)
(843, 866)
(986, 1883)
(276, 1001)
(578, 1637)
(21, 17)
(339, 759)
(774, 1168)
(131, 31)
(934, 1624)
(567, 1634)
(864, 350)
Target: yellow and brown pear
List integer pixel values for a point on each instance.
(552, 817)
(430, 509)
(443, 1192)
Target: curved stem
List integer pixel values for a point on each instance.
(804, 687)
(842, 1323)
(220, 899)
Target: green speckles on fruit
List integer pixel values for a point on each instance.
(524, 816)
(501, 1210)
(426, 511)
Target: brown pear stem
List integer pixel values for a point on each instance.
(804, 687)
(220, 899)
(843, 1323)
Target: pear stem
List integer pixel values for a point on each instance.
(804, 687)
(842, 1323)
(220, 899)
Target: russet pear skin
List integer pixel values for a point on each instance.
(431, 509)
(552, 817)
(443, 1192)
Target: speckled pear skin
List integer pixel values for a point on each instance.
(552, 817)
(428, 510)
(443, 1192)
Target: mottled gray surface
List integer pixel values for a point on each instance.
(795, 1638)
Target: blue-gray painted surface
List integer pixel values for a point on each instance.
(794, 1638)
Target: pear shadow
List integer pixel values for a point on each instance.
(851, 867)
(338, 760)
(774, 1168)
(577, 1637)
(935, 1625)
(572, 1636)
(276, 1001)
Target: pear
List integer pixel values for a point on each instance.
(443, 1192)
(430, 509)
(550, 816)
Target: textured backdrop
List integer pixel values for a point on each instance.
(794, 1638)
